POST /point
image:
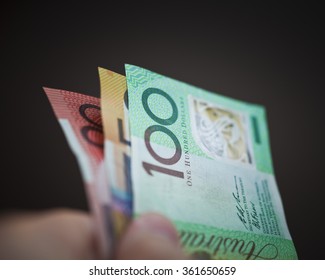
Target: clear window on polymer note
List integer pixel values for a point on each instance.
(221, 133)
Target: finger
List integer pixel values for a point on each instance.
(59, 234)
(151, 236)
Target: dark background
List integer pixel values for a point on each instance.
(272, 56)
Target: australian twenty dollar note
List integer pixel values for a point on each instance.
(80, 118)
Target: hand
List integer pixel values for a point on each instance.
(69, 234)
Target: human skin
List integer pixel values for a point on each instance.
(69, 234)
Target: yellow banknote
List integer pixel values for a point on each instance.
(114, 105)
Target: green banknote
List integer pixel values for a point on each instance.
(204, 161)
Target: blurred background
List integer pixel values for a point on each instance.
(272, 56)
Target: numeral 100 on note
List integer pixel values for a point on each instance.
(161, 126)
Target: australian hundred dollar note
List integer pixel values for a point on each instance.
(204, 161)
(80, 118)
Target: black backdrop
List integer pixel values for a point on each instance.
(267, 55)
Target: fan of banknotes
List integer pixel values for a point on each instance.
(151, 143)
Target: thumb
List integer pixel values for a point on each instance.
(151, 236)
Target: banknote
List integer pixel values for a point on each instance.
(80, 118)
(204, 161)
(114, 109)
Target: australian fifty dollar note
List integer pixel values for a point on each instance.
(114, 110)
